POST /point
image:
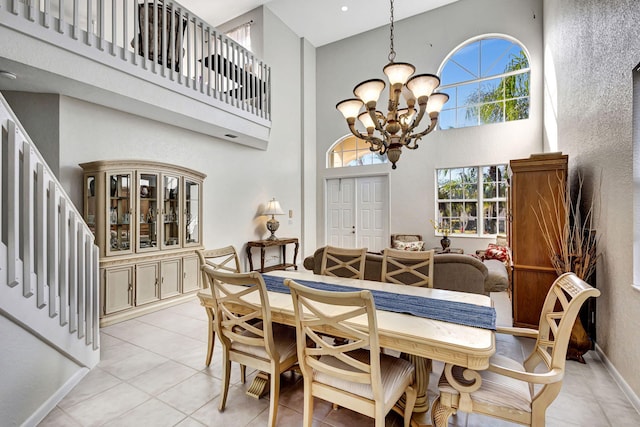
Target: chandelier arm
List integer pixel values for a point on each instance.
(432, 126)
(377, 144)
(376, 122)
(394, 98)
(412, 144)
(355, 132)
(419, 117)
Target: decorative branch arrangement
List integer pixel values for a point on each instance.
(572, 243)
(441, 227)
(571, 238)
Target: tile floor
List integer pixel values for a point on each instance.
(152, 373)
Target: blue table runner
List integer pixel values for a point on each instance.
(461, 313)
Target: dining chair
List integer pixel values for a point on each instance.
(343, 262)
(240, 300)
(515, 391)
(354, 375)
(225, 259)
(414, 268)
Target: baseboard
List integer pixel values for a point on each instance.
(55, 398)
(121, 316)
(633, 398)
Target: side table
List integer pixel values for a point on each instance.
(263, 244)
(439, 251)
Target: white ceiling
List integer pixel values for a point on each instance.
(319, 21)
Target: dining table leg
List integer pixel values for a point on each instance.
(423, 369)
(467, 383)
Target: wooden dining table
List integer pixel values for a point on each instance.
(421, 339)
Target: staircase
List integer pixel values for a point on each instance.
(49, 285)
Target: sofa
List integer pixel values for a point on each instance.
(455, 272)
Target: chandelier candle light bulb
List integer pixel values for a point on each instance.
(396, 128)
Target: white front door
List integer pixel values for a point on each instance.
(341, 214)
(358, 212)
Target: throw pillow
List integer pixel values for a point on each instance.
(501, 253)
(408, 246)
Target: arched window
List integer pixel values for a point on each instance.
(487, 81)
(352, 151)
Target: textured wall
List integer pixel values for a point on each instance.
(591, 48)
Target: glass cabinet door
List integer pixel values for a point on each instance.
(170, 211)
(148, 211)
(119, 214)
(90, 201)
(191, 212)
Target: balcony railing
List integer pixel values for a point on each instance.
(168, 43)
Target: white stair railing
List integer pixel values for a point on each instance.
(161, 41)
(49, 271)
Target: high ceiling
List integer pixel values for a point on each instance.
(319, 21)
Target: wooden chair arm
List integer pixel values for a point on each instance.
(206, 299)
(550, 377)
(518, 332)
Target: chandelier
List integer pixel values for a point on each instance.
(396, 128)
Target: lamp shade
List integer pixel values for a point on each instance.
(366, 120)
(423, 84)
(436, 102)
(398, 72)
(273, 208)
(369, 90)
(349, 107)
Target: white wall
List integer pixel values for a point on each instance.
(591, 48)
(425, 41)
(240, 180)
(309, 129)
(38, 113)
(31, 373)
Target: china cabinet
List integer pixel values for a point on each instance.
(147, 221)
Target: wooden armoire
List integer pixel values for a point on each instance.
(532, 180)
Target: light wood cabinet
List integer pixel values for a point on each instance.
(531, 181)
(147, 275)
(147, 221)
(170, 278)
(191, 277)
(117, 284)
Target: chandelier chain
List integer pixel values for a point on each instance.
(392, 52)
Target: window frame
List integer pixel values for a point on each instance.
(361, 149)
(460, 107)
(451, 223)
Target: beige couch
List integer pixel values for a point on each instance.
(454, 272)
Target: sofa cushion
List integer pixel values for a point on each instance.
(408, 246)
(493, 251)
(459, 272)
(497, 276)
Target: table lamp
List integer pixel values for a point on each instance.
(273, 208)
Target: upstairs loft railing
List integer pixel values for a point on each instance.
(48, 260)
(162, 38)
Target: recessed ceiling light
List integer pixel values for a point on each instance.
(344, 8)
(7, 75)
